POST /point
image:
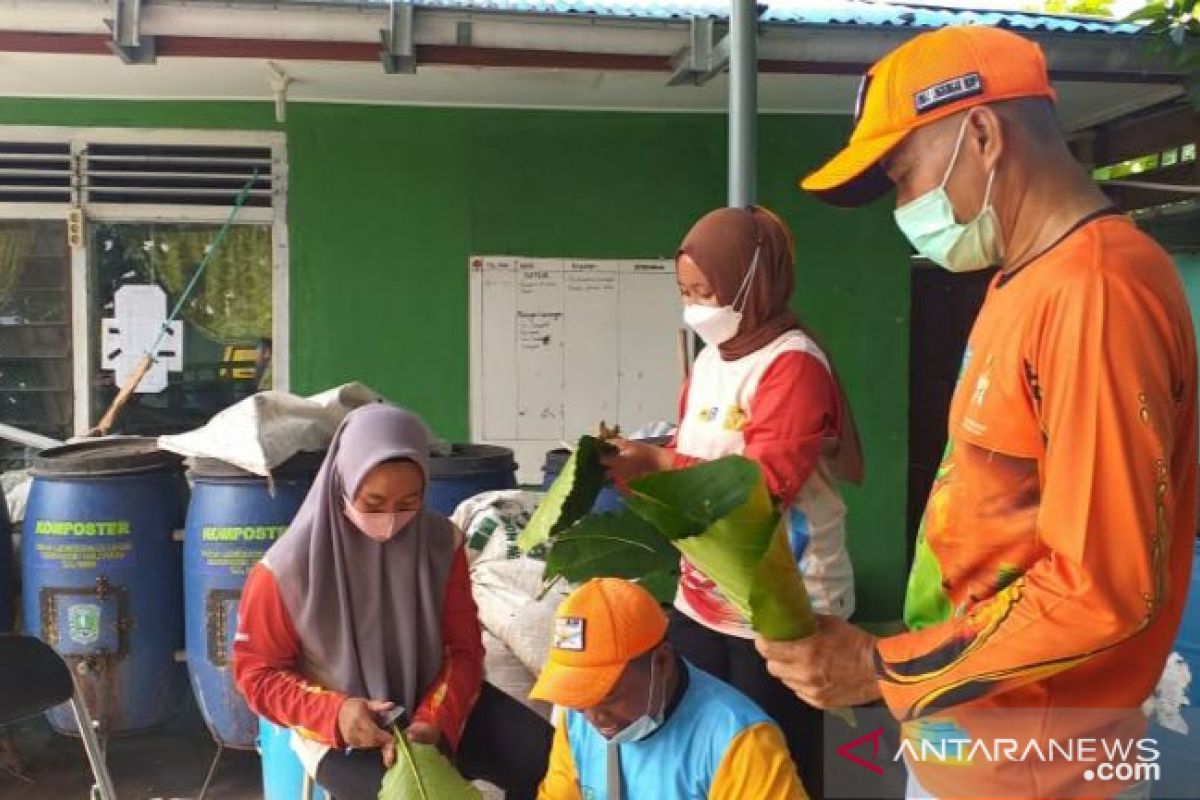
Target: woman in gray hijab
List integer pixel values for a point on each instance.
(362, 613)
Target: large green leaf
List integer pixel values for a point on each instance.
(620, 545)
(682, 507)
(663, 585)
(722, 518)
(572, 495)
(720, 515)
(421, 772)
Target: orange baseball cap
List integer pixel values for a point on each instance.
(928, 78)
(598, 629)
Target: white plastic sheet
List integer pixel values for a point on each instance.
(265, 430)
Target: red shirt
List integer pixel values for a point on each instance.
(794, 409)
(266, 655)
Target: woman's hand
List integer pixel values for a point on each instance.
(634, 459)
(358, 724)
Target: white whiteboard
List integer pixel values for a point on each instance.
(559, 344)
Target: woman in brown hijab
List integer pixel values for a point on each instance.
(763, 388)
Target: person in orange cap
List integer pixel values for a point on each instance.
(1055, 549)
(640, 722)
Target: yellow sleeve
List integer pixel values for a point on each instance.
(757, 764)
(561, 781)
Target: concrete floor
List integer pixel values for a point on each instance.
(168, 763)
(171, 763)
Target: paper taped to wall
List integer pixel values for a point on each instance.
(139, 315)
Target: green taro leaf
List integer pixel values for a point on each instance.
(620, 545)
(421, 772)
(682, 507)
(662, 585)
(720, 515)
(739, 540)
(571, 496)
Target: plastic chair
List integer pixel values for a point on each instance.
(34, 679)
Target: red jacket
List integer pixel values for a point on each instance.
(266, 655)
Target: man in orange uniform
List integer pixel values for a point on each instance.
(1055, 550)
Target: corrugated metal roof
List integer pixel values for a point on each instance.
(857, 12)
(804, 12)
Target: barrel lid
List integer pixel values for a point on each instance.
(556, 459)
(114, 455)
(305, 464)
(471, 459)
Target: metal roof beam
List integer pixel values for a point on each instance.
(702, 58)
(783, 47)
(128, 42)
(399, 53)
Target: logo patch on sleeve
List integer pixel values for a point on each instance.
(948, 91)
(568, 633)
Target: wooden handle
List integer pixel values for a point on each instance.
(131, 383)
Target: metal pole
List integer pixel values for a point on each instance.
(103, 787)
(27, 438)
(743, 101)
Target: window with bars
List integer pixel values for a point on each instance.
(87, 212)
(35, 330)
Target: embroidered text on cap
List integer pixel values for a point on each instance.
(948, 91)
(568, 633)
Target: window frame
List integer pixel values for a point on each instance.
(82, 325)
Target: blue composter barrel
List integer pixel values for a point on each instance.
(283, 775)
(1180, 752)
(233, 517)
(609, 500)
(6, 569)
(101, 576)
(468, 470)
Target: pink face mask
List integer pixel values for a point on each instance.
(379, 525)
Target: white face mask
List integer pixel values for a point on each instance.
(647, 723)
(716, 325)
(929, 224)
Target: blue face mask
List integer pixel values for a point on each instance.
(929, 224)
(647, 723)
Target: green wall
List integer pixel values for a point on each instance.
(387, 203)
(1188, 263)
